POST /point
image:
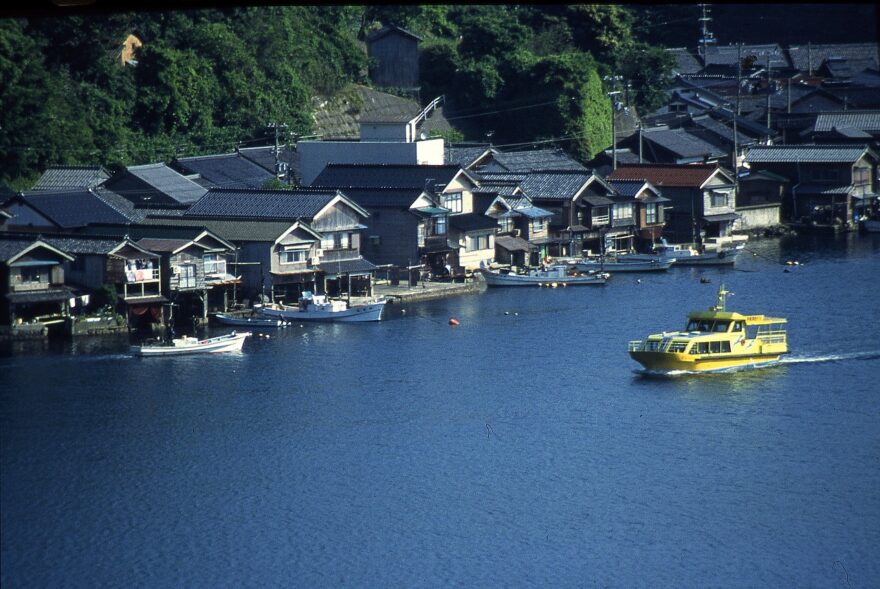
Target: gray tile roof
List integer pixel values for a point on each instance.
(168, 181)
(229, 170)
(384, 176)
(235, 230)
(463, 156)
(728, 55)
(554, 185)
(382, 197)
(161, 244)
(682, 143)
(260, 204)
(859, 54)
(805, 153)
(827, 189)
(83, 245)
(12, 246)
(536, 159)
(347, 266)
(71, 177)
(685, 62)
(861, 120)
(77, 208)
(265, 158)
(389, 29)
(627, 187)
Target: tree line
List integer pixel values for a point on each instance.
(207, 80)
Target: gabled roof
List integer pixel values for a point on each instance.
(682, 144)
(164, 245)
(386, 176)
(86, 244)
(667, 175)
(71, 177)
(632, 188)
(861, 120)
(536, 159)
(383, 197)
(265, 158)
(728, 55)
(14, 247)
(464, 155)
(685, 62)
(863, 54)
(263, 204)
(232, 229)
(228, 170)
(77, 208)
(167, 181)
(555, 184)
(806, 153)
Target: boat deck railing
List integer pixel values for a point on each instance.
(771, 334)
(665, 345)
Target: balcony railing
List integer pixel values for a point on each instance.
(336, 255)
(215, 266)
(145, 275)
(601, 219)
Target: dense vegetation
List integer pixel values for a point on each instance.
(210, 79)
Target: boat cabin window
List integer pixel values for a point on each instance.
(721, 326)
(737, 325)
(718, 347)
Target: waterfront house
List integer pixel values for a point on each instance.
(522, 227)
(649, 211)
(411, 207)
(759, 200)
(701, 196)
(302, 240)
(33, 293)
(116, 272)
(829, 185)
(154, 184)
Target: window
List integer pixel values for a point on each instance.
(439, 225)
(30, 275)
(651, 216)
(452, 201)
(861, 176)
(506, 224)
(294, 256)
(719, 199)
(623, 211)
(375, 239)
(335, 241)
(478, 242)
(214, 264)
(536, 226)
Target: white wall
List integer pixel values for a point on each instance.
(757, 217)
(315, 155)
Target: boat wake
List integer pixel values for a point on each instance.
(830, 358)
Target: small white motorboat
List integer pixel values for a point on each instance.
(623, 264)
(231, 342)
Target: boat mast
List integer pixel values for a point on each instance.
(722, 299)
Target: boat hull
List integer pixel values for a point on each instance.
(871, 225)
(357, 314)
(654, 265)
(249, 322)
(673, 361)
(228, 343)
(496, 279)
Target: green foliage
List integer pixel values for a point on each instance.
(649, 70)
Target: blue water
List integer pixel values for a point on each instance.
(520, 448)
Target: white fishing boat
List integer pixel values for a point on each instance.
(314, 307)
(623, 264)
(253, 322)
(687, 255)
(231, 342)
(555, 275)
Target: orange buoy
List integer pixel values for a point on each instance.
(453, 321)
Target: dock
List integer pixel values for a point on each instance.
(426, 290)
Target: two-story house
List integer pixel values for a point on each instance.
(829, 185)
(648, 205)
(33, 294)
(702, 197)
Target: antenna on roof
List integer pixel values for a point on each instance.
(706, 37)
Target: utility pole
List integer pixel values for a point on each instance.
(277, 127)
(615, 105)
(706, 37)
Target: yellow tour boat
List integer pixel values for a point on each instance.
(716, 339)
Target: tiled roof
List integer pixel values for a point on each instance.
(665, 175)
(347, 266)
(629, 188)
(235, 230)
(728, 55)
(168, 181)
(861, 120)
(537, 159)
(12, 246)
(71, 177)
(384, 176)
(489, 177)
(260, 204)
(805, 153)
(554, 185)
(382, 197)
(681, 143)
(229, 170)
(77, 208)
(265, 158)
(822, 188)
(387, 30)
(162, 245)
(685, 61)
(83, 244)
(860, 54)
(463, 156)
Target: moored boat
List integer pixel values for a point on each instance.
(231, 342)
(251, 322)
(624, 264)
(871, 225)
(686, 255)
(716, 339)
(319, 308)
(555, 275)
